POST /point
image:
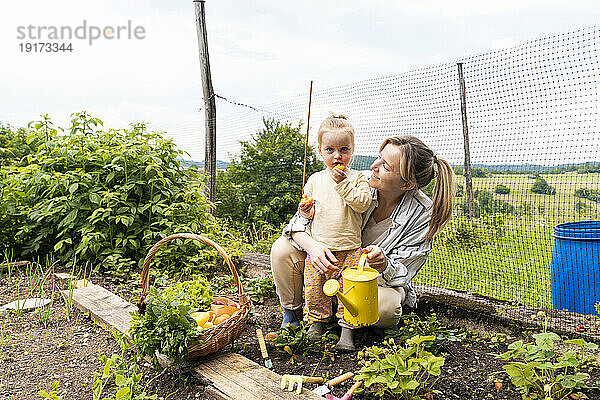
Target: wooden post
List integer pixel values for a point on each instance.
(467, 170)
(210, 109)
(306, 139)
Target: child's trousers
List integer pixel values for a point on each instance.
(318, 306)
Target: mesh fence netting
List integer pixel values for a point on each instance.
(532, 118)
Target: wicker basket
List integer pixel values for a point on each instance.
(218, 336)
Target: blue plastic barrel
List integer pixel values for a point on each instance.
(575, 266)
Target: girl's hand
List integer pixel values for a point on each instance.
(306, 207)
(338, 174)
(375, 257)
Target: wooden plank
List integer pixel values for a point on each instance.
(79, 283)
(15, 264)
(64, 276)
(104, 307)
(236, 377)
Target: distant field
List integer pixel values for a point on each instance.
(515, 266)
(557, 208)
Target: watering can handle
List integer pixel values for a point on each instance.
(361, 263)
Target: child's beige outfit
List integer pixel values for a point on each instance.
(336, 224)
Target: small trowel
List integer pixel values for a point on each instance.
(263, 348)
(326, 387)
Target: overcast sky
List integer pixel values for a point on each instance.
(260, 51)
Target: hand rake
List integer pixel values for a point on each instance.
(298, 380)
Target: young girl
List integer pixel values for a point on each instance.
(339, 197)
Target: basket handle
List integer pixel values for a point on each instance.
(146, 268)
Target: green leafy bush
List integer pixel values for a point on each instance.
(265, 184)
(590, 194)
(294, 340)
(542, 187)
(485, 203)
(463, 233)
(260, 289)
(103, 198)
(502, 189)
(411, 325)
(460, 190)
(396, 372)
(14, 146)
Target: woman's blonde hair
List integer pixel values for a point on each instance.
(417, 166)
(337, 122)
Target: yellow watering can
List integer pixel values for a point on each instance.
(360, 294)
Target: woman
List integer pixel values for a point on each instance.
(397, 232)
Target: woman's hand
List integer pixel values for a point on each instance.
(375, 257)
(320, 256)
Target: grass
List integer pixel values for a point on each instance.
(514, 266)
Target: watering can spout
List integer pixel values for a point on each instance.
(332, 287)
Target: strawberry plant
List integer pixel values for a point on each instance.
(412, 325)
(540, 372)
(397, 372)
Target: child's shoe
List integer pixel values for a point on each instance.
(315, 331)
(346, 342)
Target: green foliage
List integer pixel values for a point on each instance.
(296, 339)
(260, 237)
(540, 372)
(502, 189)
(396, 372)
(125, 376)
(14, 145)
(485, 203)
(196, 293)
(460, 190)
(411, 325)
(589, 168)
(166, 326)
(542, 187)
(260, 289)
(479, 172)
(463, 233)
(590, 194)
(53, 395)
(104, 198)
(264, 185)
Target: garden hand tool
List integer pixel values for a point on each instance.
(348, 393)
(325, 388)
(263, 348)
(298, 380)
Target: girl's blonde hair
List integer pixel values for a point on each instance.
(337, 122)
(417, 166)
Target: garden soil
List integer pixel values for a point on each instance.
(37, 349)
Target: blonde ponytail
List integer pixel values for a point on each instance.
(444, 192)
